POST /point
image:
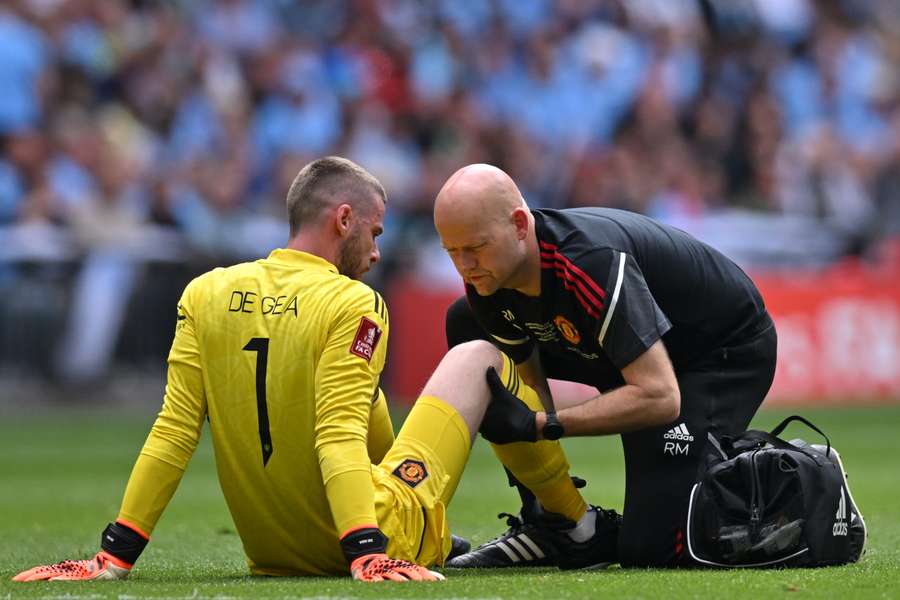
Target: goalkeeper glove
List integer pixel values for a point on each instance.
(120, 544)
(365, 551)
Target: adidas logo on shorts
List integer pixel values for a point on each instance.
(679, 433)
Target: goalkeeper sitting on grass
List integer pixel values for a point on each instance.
(282, 356)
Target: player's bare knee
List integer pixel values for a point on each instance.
(460, 379)
(475, 354)
(462, 370)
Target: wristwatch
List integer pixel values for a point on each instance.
(553, 429)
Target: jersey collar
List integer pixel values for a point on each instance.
(296, 258)
(548, 276)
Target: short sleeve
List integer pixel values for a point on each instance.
(631, 321)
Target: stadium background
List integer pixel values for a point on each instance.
(143, 142)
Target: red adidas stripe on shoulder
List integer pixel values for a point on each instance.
(586, 291)
(551, 248)
(570, 283)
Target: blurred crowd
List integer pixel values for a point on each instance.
(136, 131)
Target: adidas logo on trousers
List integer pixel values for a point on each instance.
(679, 433)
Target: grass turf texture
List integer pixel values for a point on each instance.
(62, 474)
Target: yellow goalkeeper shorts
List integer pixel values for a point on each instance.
(417, 478)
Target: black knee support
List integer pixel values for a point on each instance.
(461, 325)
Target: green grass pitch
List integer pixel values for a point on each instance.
(62, 474)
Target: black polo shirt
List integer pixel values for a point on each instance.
(612, 284)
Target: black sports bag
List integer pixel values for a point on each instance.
(762, 501)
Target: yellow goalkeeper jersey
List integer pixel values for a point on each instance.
(283, 355)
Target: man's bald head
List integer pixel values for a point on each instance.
(478, 192)
(486, 228)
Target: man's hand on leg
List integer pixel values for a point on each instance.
(507, 419)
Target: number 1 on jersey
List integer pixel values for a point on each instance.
(261, 347)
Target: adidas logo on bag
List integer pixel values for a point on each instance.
(840, 523)
(679, 433)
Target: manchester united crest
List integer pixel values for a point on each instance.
(411, 472)
(567, 329)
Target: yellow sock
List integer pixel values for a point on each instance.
(541, 466)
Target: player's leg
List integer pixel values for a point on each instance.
(541, 466)
(662, 463)
(420, 472)
(456, 396)
(543, 471)
(570, 528)
(462, 326)
(431, 449)
(529, 525)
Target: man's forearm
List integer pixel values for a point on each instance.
(650, 397)
(625, 409)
